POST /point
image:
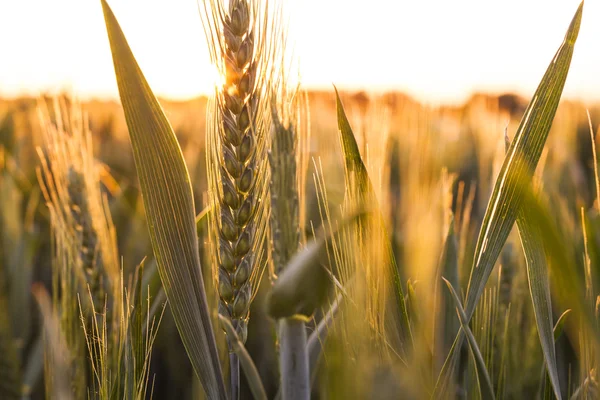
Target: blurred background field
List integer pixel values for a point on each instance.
(425, 161)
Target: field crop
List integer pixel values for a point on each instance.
(270, 242)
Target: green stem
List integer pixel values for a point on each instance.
(234, 369)
(294, 360)
(243, 358)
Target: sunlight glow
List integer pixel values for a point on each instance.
(433, 49)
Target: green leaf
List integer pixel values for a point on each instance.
(302, 285)
(167, 194)
(518, 167)
(485, 383)
(539, 288)
(449, 270)
(202, 221)
(559, 327)
(357, 180)
(557, 333)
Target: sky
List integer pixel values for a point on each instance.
(435, 50)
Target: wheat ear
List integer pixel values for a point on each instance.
(237, 134)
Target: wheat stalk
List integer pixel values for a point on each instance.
(241, 39)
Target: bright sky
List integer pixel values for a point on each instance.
(436, 50)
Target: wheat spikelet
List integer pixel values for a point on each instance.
(86, 234)
(285, 232)
(69, 181)
(237, 137)
(288, 157)
(83, 238)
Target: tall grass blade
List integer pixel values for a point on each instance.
(485, 383)
(518, 167)
(356, 172)
(539, 287)
(557, 332)
(450, 324)
(169, 205)
(202, 221)
(559, 327)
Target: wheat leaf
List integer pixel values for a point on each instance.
(539, 287)
(358, 177)
(485, 383)
(519, 166)
(202, 221)
(167, 195)
(302, 284)
(559, 327)
(449, 270)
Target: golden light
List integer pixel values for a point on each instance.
(432, 49)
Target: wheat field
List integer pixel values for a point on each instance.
(272, 242)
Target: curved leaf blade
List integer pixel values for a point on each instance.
(519, 165)
(449, 269)
(485, 383)
(539, 288)
(202, 221)
(169, 205)
(357, 177)
(559, 327)
(302, 284)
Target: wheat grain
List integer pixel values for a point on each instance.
(84, 245)
(69, 181)
(285, 233)
(236, 136)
